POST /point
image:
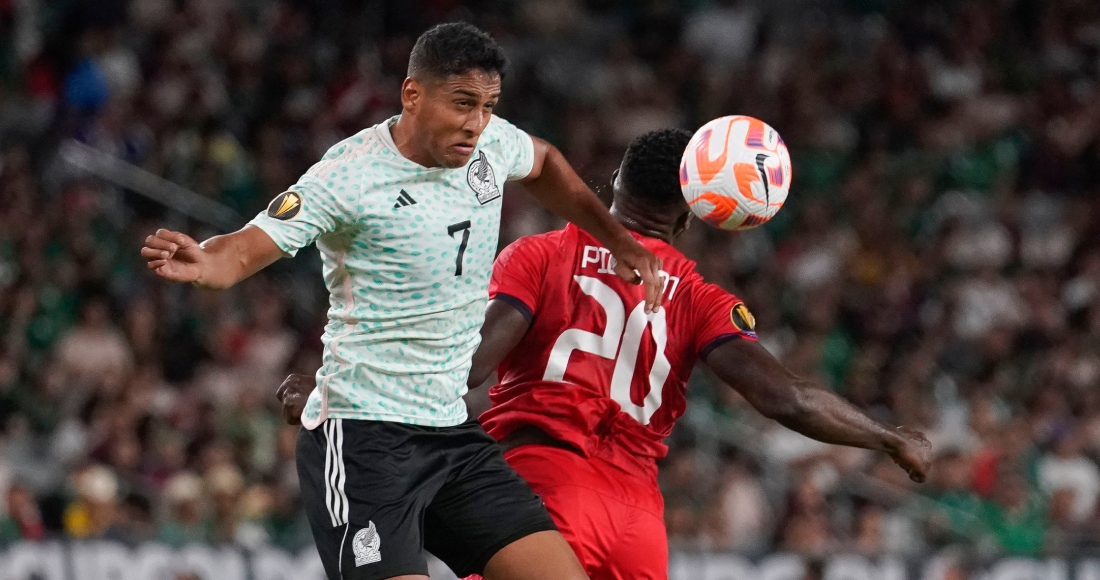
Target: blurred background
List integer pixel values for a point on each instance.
(938, 264)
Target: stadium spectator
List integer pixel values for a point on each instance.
(1066, 469)
(21, 520)
(185, 520)
(93, 513)
(744, 517)
(1016, 517)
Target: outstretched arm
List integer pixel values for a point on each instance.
(217, 263)
(812, 410)
(557, 187)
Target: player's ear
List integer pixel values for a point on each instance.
(682, 223)
(411, 94)
(614, 177)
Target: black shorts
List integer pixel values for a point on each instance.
(377, 494)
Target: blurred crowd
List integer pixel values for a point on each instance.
(938, 262)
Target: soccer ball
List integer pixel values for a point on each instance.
(735, 173)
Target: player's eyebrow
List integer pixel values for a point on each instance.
(472, 94)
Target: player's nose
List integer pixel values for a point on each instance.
(475, 123)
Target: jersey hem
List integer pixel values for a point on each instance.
(723, 339)
(281, 244)
(516, 303)
(395, 418)
(531, 166)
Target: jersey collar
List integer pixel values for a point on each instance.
(387, 137)
(384, 134)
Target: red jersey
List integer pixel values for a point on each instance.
(594, 366)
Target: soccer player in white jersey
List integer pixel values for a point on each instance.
(406, 215)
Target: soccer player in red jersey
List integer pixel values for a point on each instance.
(590, 384)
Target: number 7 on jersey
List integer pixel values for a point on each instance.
(452, 229)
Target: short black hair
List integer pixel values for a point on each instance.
(651, 166)
(455, 48)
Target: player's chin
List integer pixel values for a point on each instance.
(459, 153)
(453, 159)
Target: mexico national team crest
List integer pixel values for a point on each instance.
(481, 178)
(366, 545)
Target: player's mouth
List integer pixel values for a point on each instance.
(463, 149)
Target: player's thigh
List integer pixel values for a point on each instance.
(589, 519)
(643, 552)
(483, 508)
(542, 555)
(365, 499)
(537, 556)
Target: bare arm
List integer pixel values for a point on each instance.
(503, 329)
(811, 410)
(557, 187)
(217, 263)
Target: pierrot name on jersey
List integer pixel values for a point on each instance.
(407, 253)
(594, 364)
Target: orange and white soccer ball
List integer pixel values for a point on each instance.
(735, 173)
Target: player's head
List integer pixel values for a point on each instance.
(648, 179)
(455, 71)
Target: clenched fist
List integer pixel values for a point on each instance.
(293, 394)
(914, 455)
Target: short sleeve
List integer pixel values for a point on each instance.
(516, 147)
(313, 206)
(719, 318)
(518, 273)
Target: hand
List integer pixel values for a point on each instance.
(638, 265)
(293, 394)
(173, 256)
(913, 453)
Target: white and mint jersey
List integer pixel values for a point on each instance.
(407, 253)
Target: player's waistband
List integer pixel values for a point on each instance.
(531, 435)
(631, 463)
(588, 424)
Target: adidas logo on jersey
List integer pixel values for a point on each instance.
(404, 199)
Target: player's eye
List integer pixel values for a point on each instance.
(490, 105)
(464, 103)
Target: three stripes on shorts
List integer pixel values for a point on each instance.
(336, 500)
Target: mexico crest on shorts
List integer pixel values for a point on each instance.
(482, 180)
(365, 545)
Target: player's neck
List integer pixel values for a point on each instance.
(402, 133)
(637, 221)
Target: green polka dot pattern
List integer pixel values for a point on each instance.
(407, 253)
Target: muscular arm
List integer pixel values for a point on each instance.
(557, 187)
(503, 329)
(811, 410)
(217, 263)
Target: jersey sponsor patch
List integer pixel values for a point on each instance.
(482, 180)
(285, 206)
(741, 318)
(366, 545)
